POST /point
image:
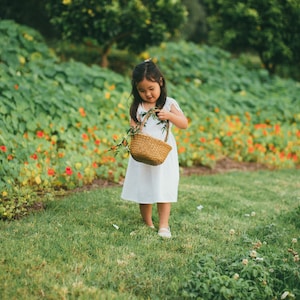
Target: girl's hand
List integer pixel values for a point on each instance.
(163, 115)
(175, 116)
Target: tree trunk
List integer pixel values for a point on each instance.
(104, 56)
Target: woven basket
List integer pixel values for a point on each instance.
(147, 149)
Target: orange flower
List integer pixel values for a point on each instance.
(51, 172)
(97, 142)
(181, 150)
(85, 136)
(258, 126)
(16, 86)
(79, 175)
(277, 129)
(10, 157)
(115, 137)
(82, 111)
(202, 139)
(248, 116)
(250, 149)
(95, 165)
(218, 142)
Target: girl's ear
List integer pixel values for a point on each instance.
(161, 81)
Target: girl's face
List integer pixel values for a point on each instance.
(148, 90)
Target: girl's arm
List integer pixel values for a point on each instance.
(175, 116)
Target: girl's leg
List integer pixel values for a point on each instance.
(164, 210)
(146, 212)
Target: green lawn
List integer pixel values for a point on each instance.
(93, 245)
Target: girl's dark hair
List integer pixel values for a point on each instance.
(146, 70)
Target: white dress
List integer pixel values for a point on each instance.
(147, 184)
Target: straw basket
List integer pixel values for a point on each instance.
(147, 149)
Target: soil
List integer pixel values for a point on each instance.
(222, 166)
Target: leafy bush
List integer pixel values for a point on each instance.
(58, 120)
(251, 277)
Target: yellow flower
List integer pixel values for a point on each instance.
(28, 37)
(22, 60)
(4, 193)
(66, 2)
(38, 179)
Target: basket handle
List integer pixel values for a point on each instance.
(148, 114)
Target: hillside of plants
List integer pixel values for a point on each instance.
(60, 121)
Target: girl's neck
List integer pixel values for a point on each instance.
(147, 105)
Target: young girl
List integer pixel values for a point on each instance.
(143, 183)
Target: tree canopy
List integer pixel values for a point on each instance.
(132, 25)
(269, 27)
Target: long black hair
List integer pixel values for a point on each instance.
(146, 70)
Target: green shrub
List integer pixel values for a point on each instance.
(58, 120)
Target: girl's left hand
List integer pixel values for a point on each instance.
(163, 115)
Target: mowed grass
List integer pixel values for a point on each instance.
(93, 245)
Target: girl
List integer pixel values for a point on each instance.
(143, 183)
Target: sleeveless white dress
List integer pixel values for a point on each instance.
(147, 184)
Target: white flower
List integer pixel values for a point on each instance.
(116, 226)
(200, 207)
(284, 295)
(294, 240)
(253, 214)
(236, 276)
(231, 231)
(253, 254)
(245, 261)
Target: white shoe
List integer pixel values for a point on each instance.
(164, 232)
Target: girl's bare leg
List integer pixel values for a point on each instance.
(146, 212)
(164, 210)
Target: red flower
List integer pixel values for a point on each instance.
(69, 171)
(95, 165)
(97, 142)
(34, 156)
(40, 134)
(79, 176)
(3, 148)
(16, 86)
(51, 172)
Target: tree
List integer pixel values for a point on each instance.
(269, 27)
(131, 24)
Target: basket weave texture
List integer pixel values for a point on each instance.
(147, 149)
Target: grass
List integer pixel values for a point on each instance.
(72, 250)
